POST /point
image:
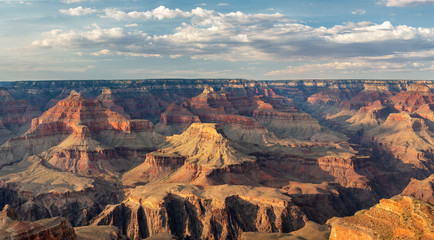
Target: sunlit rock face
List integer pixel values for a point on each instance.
(219, 159)
(396, 218)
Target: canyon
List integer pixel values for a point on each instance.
(217, 159)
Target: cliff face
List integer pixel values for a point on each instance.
(235, 157)
(15, 115)
(51, 229)
(188, 211)
(81, 136)
(421, 189)
(397, 218)
(189, 157)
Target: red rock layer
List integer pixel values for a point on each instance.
(176, 114)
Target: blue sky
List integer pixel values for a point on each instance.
(256, 39)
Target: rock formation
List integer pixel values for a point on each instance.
(15, 115)
(99, 232)
(188, 211)
(11, 227)
(421, 189)
(396, 218)
(235, 159)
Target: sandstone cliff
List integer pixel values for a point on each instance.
(396, 218)
(215, 212)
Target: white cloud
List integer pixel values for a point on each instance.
(102, 52)
(237, 36)
(158, 13)
(223, 4)
(369, 32)
(78, 11)
(57, 38)
(132, 25)
(358, 12)
(402, 3)
(75, 1)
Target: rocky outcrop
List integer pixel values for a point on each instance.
(82, 136)
(369, 116)
(15, 115)
(311, 230)
(99, 232)
(406, 138)
(319, 148)
(396, 218)
(204, 144)
(175, 120)
(38, 192)
(11, 227)
(421, 189)
(156, 165)
(215, 212)
(189, 157)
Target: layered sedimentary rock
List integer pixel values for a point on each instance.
(175, 120)
(15, 115)
(291, 151)
(193, 154)
(188, 211)
(311, 230)
(421, 189)
(406, 138)
(37, 191)
(396, 218)
(11, 227)
(99, 232)
(80, 135)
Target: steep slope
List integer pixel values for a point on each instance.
(108, 100)
(175, 120)
(11, 227)
(99, 232)
(368, 116)
(396, 218)
(421, 189)
(287, 121)
(81, 154)
(215, 212)
(200, 149)
(91, 138)
(205, 145)
(38, 192)
(311, 231)
(263, 113)
(15, 115)
(406, 138)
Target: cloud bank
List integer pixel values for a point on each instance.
(237, 36)
(403, 3)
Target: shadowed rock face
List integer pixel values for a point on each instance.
(15, 115)
(188, 211)
(11, 227)
(234, 158)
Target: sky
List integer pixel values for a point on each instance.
(254, 39)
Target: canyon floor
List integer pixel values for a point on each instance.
(217, 159)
